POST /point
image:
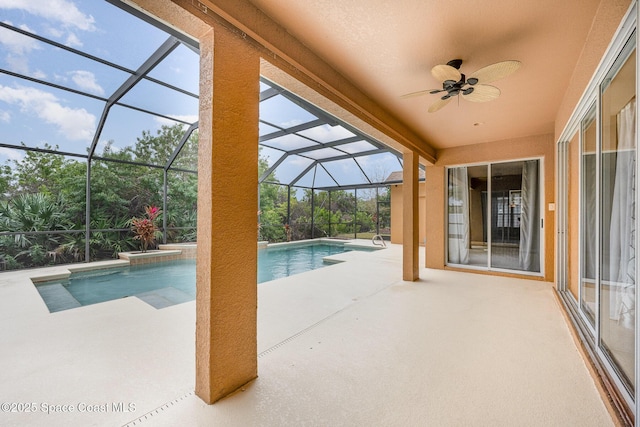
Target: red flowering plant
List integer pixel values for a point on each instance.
(145, 229)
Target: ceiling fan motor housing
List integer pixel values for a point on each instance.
(455, 63)
(454, 88)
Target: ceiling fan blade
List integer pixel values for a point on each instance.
(482, 93)
(418, 93)
(494, 72)
(445, 72)
(439, 104)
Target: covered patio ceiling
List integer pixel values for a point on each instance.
(387, 49)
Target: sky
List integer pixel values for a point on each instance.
(37, 114)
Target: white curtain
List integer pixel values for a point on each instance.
(622, 230)
(458, 216)
(529, 254)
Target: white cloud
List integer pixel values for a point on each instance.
(39, 74)
(326, 133)
(18, 64)
(73, 41)
(54, 32)
(17, 43)
(18, 46)
(290, 142)
(73, 123)
(290, 123)
(5, 116)
(356, 147)
(299, 161)
(11, 154)
(163, 121)
(86, 80)
(62, 11)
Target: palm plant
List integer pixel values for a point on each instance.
(73, 246)
(108, 239)
(36, 212)
(181, 219)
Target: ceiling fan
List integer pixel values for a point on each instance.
(472, 88)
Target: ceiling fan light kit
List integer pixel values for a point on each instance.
(473, 89)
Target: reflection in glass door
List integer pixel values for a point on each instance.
(478, 187)
(588, 218)
(515, 216)
(617, 218)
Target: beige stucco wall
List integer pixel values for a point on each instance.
(605, 24)
(540, 146)
(226, 272)
(396, 213)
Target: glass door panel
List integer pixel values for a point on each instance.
(617, 218)
(458, 216)
(515, 216)
(588, 223)
(569, 218)
(478, 187)
(467, 224)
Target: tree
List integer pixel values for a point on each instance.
(119, 191)
(157, 150)
(182, 195)
(273, 205)
(36, 172)
(6, 177)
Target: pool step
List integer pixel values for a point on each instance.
(57, 297)
(164, 297)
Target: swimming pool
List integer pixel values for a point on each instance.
(168, 283)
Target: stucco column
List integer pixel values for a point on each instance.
(410, 217)
(435, 212)
(226, 290)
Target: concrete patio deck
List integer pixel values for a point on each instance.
(349, 344)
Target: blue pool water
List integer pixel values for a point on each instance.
(173, 281)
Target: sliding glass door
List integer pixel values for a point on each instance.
(618, 218)
(494, 216)
(597, 219)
